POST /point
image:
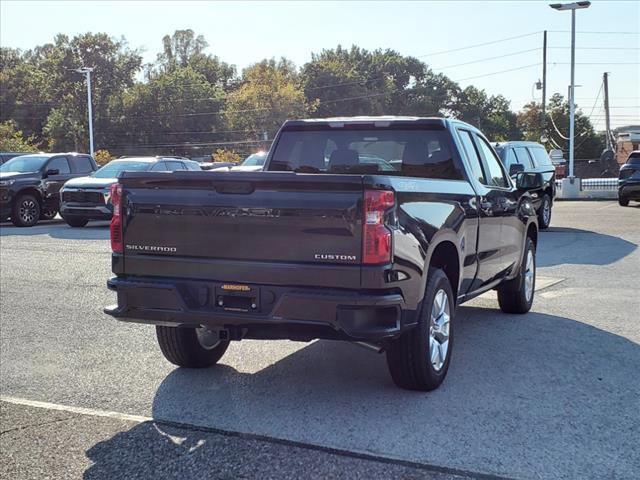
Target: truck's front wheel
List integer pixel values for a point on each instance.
(190, 347)
(419, 359)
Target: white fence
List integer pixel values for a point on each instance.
(592, 188)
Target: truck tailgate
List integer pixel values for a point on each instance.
(244, 218)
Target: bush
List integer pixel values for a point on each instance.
(102, 157)
(222, 155)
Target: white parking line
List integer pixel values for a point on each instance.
(79, 410)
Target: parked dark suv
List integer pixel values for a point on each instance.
(30, 184)
(87, 198)
(532, 157)
(629, 179)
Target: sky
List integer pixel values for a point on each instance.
(243, 32)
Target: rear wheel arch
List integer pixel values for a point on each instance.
(446, 257)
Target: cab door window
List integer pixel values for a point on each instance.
(510, 158)
(473, 156)
(495, 174)
(61, 164)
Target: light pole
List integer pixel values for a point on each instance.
(87, 71)
(573, 7)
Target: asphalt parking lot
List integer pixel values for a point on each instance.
(553, 394)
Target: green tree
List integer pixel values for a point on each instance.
(173, 112)
(356, 81)
(529, 121)
(491, 114)
(12, 139)
(588, 143)
(268, 94)
(184, 49)
(47, 97)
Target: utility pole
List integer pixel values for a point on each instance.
(605, 81)
(87, 71)
(544, 83)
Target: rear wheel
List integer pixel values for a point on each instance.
(76, 221)
(420, 358)
(191, 347)
(516, 296)
(26, 211)
(624, 202)
(544, 214)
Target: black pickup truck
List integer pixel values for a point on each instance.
(366, 229)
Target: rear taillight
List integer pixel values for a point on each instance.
(116, 219)
(376, 241)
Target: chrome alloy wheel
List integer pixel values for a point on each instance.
(439, 330)
(207, 339)
(529, 276)
(28, 211)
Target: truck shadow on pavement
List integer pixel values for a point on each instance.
(546, 392)
(561, 245)
(59, 229)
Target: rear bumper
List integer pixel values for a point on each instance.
(269, 312)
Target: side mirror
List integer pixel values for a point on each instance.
(529, 180)
(51, 171)
(515, 168)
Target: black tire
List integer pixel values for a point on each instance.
(48, 213)
(76, 222)
(544, 213)
(410, 357)
(182, 347)
(513, 296)
(26, 211)
(624, 202)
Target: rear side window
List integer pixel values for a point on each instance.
(82, 164)
(61, 164)
(173, 165)
(413, 153)
(541, 156)
(523, 157)
(159, 167)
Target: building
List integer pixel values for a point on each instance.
(627, 140)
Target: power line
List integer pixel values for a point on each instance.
(598, 48)
(594, 32)
(478, 45)
(597, 63)
(500, 71)
(488, 58)
(595, 103)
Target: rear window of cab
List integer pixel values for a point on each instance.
(540, 155)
